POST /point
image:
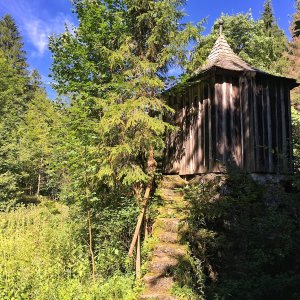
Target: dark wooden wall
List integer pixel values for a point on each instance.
(229, 118)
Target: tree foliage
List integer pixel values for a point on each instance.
(114, 72)
(11, 44)
(38, 138)
(44, 256)
(246, 237)
(293, 55)
(97, 146)
(296, 138)
(25, 113)
(268, 17)
(261, 43)
(12, 107)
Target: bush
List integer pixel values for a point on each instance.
(247, 237)
(115, 223)
(9, 191)
(296, 138)
(42, 257)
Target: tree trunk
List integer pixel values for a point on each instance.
(138, 258)
(151, 163)
(146, 234)
(151, 166)
(39, 178)
(91, 244)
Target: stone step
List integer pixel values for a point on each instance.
(158, 283)
(152, 277)
(162, 265)
(167, 230)
(170, 250)
(183, 205)
(169, 211)
(167, 224)
(155, 296)
(168, 237)
(173, 197)
(172, 181)
(170, 193)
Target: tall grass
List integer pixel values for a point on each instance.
(42, 257)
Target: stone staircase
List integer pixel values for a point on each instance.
(167, 230)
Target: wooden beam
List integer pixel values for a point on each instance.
(246, 119)
(269, 128)
(252, 156)
(256, 133)
(224, 121)
(198, 131)
(141, 217)
(138, 258)
(210, 158)
(276, 98)
(242, 119)
(291, 164)
(218, 122)
(284, 135)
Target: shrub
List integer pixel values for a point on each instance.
(296, 138)
(9, 191)
(247, 237)
(42, 257)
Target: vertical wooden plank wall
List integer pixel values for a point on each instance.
(289, 129)
(197, 130)
(283, 126)
(219, 122)
(272, 126)
(236, 120)
(242, 119)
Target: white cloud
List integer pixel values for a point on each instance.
(37, 34)
(38, 30)
(37, 27)
(175, 71)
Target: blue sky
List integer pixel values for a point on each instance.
(37, 19)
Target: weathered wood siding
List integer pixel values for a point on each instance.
(240, 120)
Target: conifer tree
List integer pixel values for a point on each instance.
(260, 45)
(11, 43)
(35, 80)
(293, 55)
(297, 28)
(12, 87)
(268, 17)
(23, 106)
(113, 65)
(37, 137)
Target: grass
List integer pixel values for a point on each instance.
(43, 256)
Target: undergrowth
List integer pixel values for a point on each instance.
(43, 256)
(245, 237)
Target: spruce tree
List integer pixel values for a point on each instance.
(248, 38)
(22, 106)
(268, 17)
(275, 41)
(37, 137)
(293, 55)
(113, 68)
(12, 87)
(297, 28)
(11, 43)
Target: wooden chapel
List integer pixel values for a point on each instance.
(232, 112)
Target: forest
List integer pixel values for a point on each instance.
(74, 170)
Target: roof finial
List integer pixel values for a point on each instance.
(221, 23)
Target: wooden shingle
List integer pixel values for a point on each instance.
(222, 56)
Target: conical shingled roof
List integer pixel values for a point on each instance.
(222, 56)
